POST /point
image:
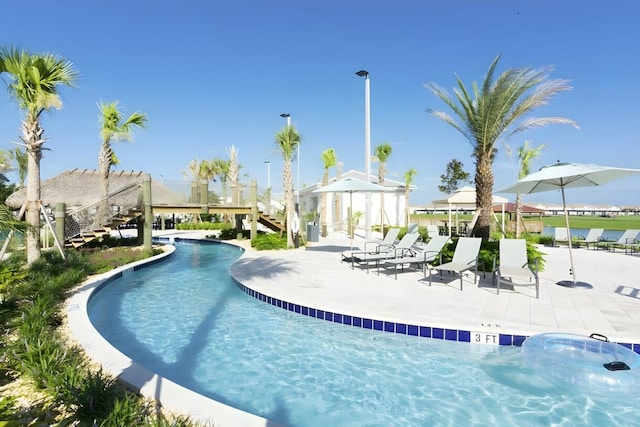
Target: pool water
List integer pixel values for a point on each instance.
(186, 319)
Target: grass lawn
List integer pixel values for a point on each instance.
(618, 223)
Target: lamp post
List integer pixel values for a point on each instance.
(268, 163)
(367, 150)
(268, 186)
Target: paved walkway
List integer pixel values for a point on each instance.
(315, 277)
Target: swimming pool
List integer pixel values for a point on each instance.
(187, 320)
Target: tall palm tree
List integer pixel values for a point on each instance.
(34, 81)
(233, 175)
(220, 169)
(526, 154)
(113, 128)
(330, 159)
(408, 180)
(381, 154)
(287, 141)
(497, 109)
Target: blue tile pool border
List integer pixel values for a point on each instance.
(422, 331)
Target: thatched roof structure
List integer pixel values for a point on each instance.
(79, 187)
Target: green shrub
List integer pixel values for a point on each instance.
(269, 241)
(10, 277)
(7, 406)
(100, 261)
(203, 226)
(88, 395)
(128, 410)
(232, 233)
(488, 252)
(42, 359)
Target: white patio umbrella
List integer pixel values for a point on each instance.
(351, 185)
(568, 175)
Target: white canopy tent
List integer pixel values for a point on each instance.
(465, 197)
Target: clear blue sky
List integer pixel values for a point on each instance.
(212, 74)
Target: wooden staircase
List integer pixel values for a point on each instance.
(270, 222)
(114, 222)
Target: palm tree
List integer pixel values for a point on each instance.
(526, 154)
(220, 169)
(495, 110)
(408, 180)
(330, 159)
(381, 155)
(232, 173)
(287, 141)
(113, 128)
(34, 83)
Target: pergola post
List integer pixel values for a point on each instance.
(59, 218)
(254, 209)
(147, 228)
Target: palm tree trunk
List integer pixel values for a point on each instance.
(518, 214)
(104, 164)
(32, 132)
(287, 178)
(484, 196)
(406, 206)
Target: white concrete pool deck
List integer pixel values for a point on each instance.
(315, 277)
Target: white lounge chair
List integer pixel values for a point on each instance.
(514, 264)
(628, 241)
(432, 231)
(593, 237)
(560, 235)
(465, 258)
(374, 246)
(403, 248)
(422, 257)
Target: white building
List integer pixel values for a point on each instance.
(394, 204)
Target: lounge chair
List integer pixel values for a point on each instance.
(593, 237)
(421, 258)
(560, 235)
(403, 248)
(412, 228)
(514, 263)
(432, 231)
(465, 258)
(373, 246)
(628, 241)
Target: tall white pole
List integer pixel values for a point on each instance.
(367, 153)
(268, 173)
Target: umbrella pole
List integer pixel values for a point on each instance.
(566, 221)
(351, 217)
(570, 283)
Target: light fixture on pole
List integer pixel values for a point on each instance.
(367, 150)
